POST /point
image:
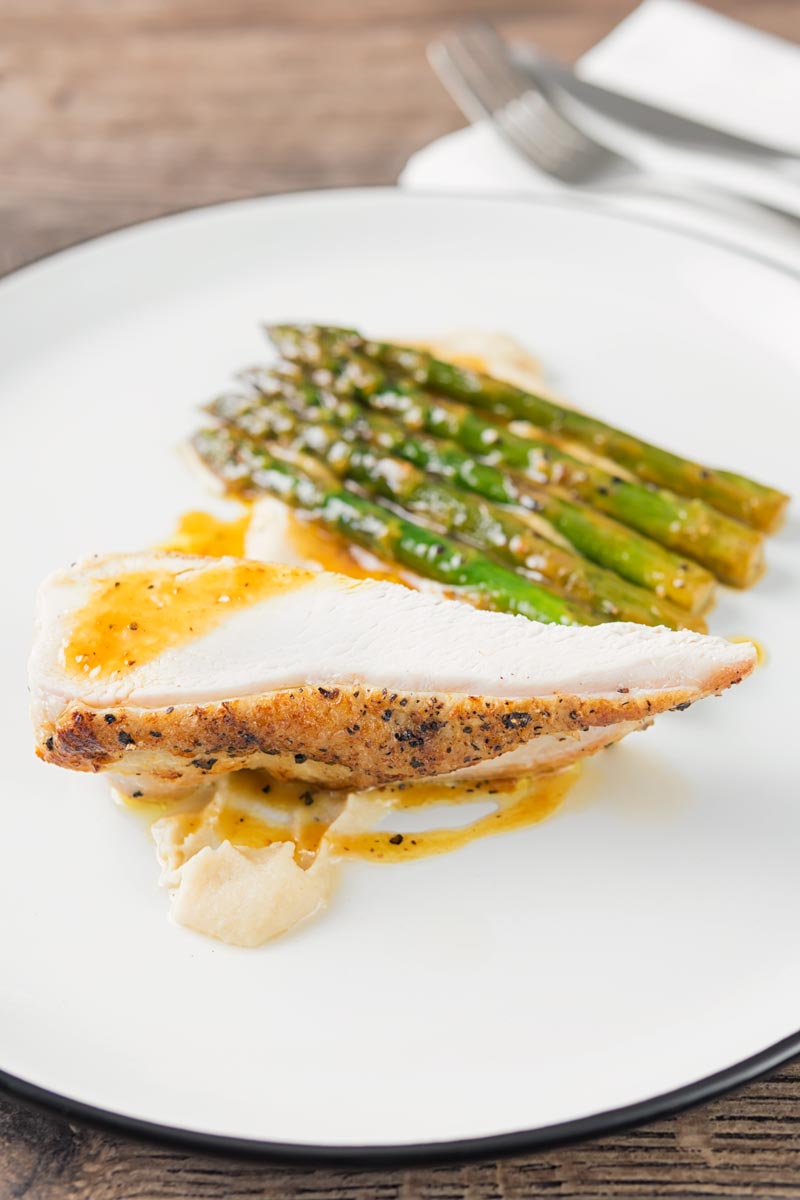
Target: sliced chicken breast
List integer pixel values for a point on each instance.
(548, 752)
(271, 537)
(178, 667)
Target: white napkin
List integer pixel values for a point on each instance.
(678, 55)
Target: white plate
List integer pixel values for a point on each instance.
(524, 989)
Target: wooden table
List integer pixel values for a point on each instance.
(113, 111)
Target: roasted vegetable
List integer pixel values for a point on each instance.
(733, 552)
(250, 467)
(753, 503)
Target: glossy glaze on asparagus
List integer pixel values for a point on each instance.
(733, 552)
(247, 466)
(599, 538)
(745, 499)
(497, 531)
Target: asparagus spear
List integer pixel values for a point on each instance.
(490, 528)
(599, 538)
(730, 550)
(252, 468)
(753, 503)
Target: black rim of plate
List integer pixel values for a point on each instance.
(493, 1145)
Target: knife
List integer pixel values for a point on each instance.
(656, 122)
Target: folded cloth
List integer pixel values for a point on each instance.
(679, 56)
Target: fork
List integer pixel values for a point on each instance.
(477, 69)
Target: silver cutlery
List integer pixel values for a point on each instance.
(478, 70)
(649, 119)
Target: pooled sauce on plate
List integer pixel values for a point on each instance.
(255, 811)
(248, 857)
(516, 803)
(202, 533)
(333, 553)
(761, 654)
(131, 620)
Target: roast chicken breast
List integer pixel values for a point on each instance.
(548, 752)
(271, 537)
(176, 668)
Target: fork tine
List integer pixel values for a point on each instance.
(474, 95)
(492, 89)
(485, 45)
(478, 71)
(490, 74)
(482, 93)
(568, 151)
(450, 74)
(477, 68)
(489, 49)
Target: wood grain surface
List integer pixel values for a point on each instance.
(747, 1144)
(113, 111)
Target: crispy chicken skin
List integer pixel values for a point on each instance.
(337, 737)
(549, 752)
(334, 681)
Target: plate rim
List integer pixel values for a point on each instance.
(595, 204)
(387, 1155)
(490, 1146)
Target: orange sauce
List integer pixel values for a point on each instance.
(761, 654)
(470, 362)
(259, 810)
(517, 803)
(253, 810)
(131, 620)
(244, 829)
(310, 541)
(256, 811)
(203, 534)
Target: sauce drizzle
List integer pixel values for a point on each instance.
(202, 533)
(249, 809)
(310, 541)
(517, 803)
(130, 620)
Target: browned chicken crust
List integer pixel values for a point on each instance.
(336, 736)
